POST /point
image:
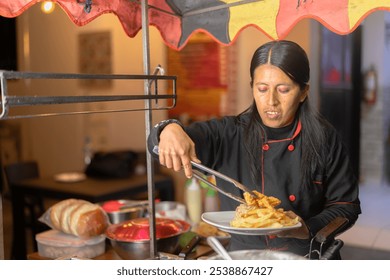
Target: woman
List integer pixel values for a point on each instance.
(279, 146)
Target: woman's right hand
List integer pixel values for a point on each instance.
(176, 149)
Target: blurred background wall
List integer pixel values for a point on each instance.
(49, 43)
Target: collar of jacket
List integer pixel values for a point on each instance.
(291, 147)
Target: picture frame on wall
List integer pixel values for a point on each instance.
(95, 57)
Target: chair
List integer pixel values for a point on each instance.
(34, 204)
(328, 248)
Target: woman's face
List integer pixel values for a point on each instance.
(277, 97)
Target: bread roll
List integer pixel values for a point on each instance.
(78, 217)
(55, 216)
(66, 214)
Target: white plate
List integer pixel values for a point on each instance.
(222, 219)
(70, 177)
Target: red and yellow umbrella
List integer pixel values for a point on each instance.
(221, 19)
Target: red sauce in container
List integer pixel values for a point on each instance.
(138, 229)
(112, 205)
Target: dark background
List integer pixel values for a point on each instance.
(8, 57)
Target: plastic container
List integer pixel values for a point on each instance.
(55, 244)
(211, 202)
(194, 201)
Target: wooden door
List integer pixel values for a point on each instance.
(340, 86)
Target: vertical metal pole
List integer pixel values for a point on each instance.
(148, 121)
(3, 89)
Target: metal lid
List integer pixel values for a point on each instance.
(138, 229)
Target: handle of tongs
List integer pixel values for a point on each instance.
(197, 174)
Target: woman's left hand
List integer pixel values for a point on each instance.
(300, 233)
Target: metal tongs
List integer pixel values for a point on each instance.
(199, 175)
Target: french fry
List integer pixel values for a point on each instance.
(260, 212)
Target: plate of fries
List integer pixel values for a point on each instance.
(257, 216)
(222, 220)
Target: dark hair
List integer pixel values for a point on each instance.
(286, 55)
(292, 60)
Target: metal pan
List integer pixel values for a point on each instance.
(260, 255)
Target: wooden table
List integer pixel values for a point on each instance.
(110, 254)
(90, 189)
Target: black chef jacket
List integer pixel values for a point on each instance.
(219, 145)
